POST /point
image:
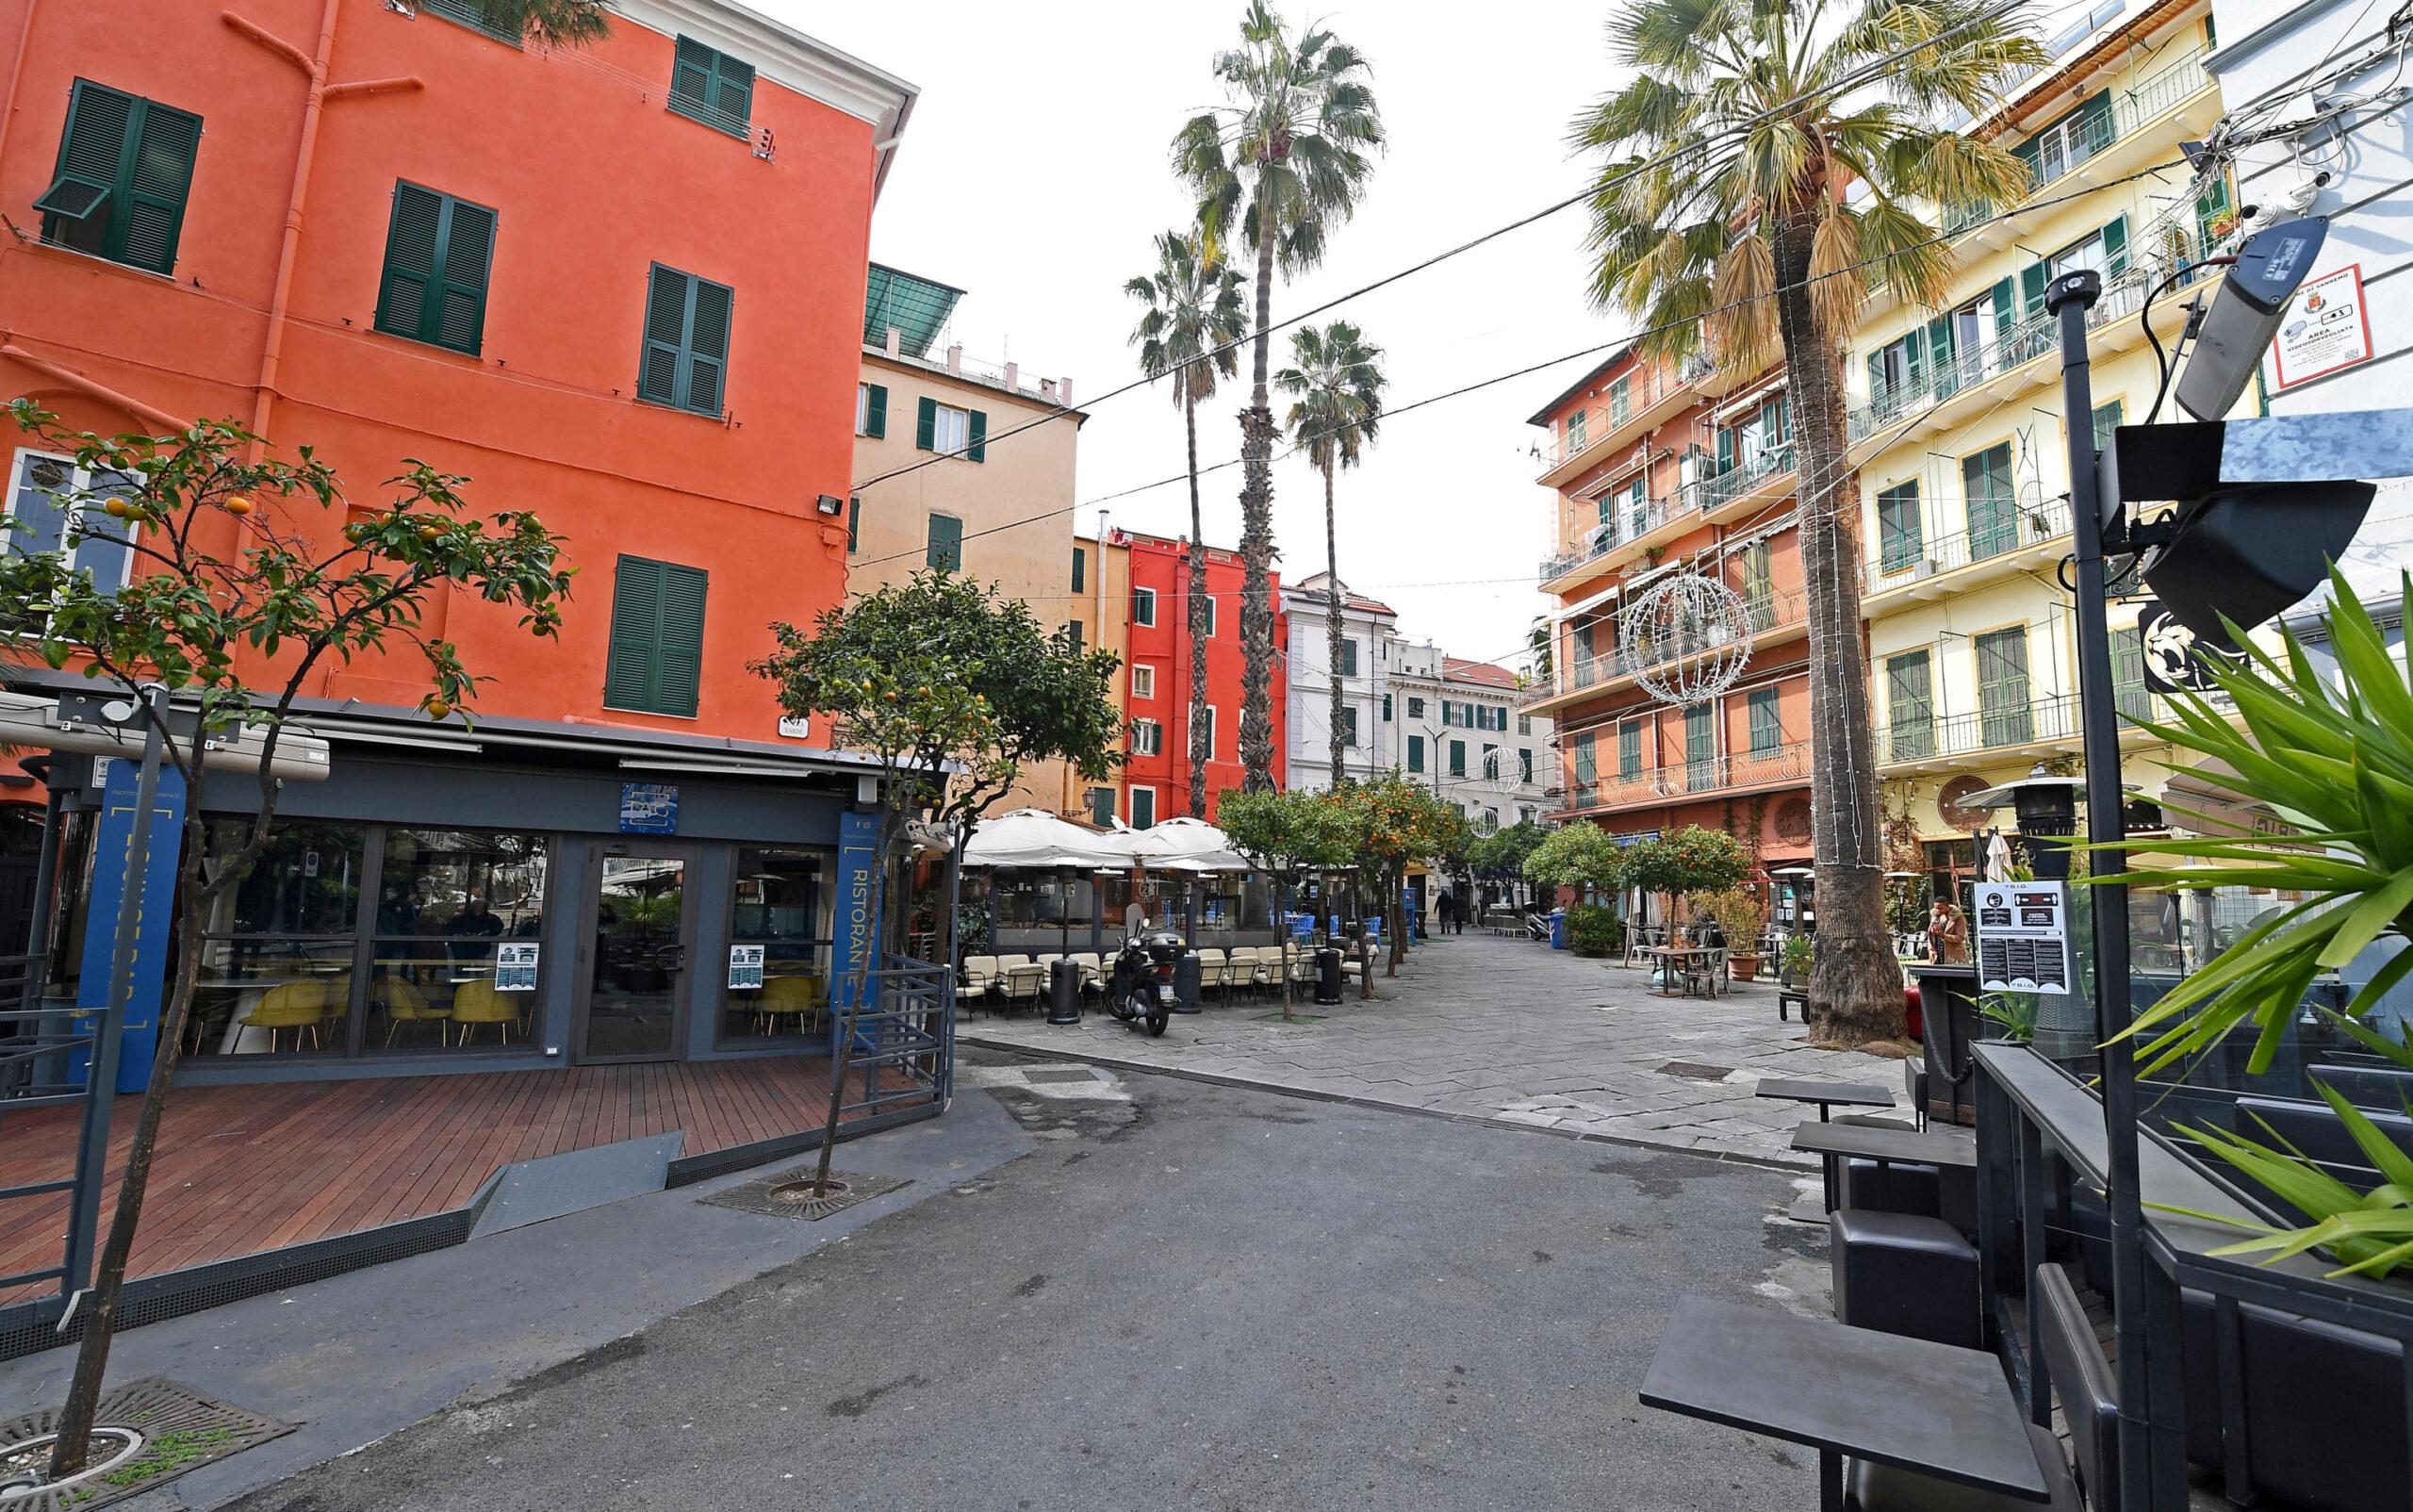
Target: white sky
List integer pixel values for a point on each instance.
(1034, 174)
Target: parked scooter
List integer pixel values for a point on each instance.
(1141, 990)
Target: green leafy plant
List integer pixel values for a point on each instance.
(1581, 856)
(1286, 833)
(2335, 766)
(1742, 915)
(1799, 955)
(1595, 932)
(2015, 1013)
(2370, 1233)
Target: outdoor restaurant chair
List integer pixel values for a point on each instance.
(1092, 972)
(477, 1002)
(979, 975)
(1023, 980)
(295, 1005)
(400, 1002)
(1212, 965)
(789, 997)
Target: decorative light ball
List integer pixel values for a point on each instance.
(1690, 636)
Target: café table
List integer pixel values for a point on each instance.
(1956, 1150)
(1928, 1407)
(1670, 959)
(1849, 1093)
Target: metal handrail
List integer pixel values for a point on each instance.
(1961, 735)
(1784, 764)
(904, 1038)
(1900, 561)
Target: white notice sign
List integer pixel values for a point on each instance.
(2327, 329)
(745, 967)
(515, 967)
(2023, 937)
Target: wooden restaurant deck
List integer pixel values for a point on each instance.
(244, 1169)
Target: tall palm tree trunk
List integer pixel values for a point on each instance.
(1256, 539)
(1856, 985)
(1201, 738)
(1332, 629)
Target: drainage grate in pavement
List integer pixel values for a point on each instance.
(149, 1432)
(1695, 1071)
(784, 1195)
(1051, 1077)
(1275, 1017)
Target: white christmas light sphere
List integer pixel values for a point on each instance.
(1690, 635)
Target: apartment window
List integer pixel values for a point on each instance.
(125, 168)
(2069, 141)
(479, 16)
(1206, 727)
(1629, 749)
(1415, 707)
(1457, 758)
(2129, 692)
(47, 497)
(1895, 367)
(1147, 738)
(1386, 708)
(1901, 532)
(1758, 562)
(1416, 753)
(438, 251)
(854, 523)
(943, 547)
(1587, 769)
(1143, 681)
(1767, 725)
(657, 652)
(2005, 717)
(686, 363)
(1080, 570)
(2107, 419)
(1210, 602)
(1490, 763)
(951, 432)
(1101, 807)
(1143, 606)
(1349, 658)
(1627, 505)
(1993, 501)
(1449, 713)
(1575, 433)
(1620, 401)
(871, 414)
(2106, 251)
(1074, 635)
(1701, 746)
(1524, 724)
(1910, 707)
(1349, 727)
(709, 85)
(1144, 808)
(1525, 764)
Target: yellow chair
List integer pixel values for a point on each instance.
(477, 1002)
(796, 997)
(401, 1001)
(297, 1006)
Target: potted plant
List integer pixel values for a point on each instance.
(1741, 915)
(1793, 967)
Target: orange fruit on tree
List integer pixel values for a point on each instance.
(238, 504)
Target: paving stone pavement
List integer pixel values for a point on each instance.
(1503, 1030)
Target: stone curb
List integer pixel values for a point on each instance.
(1311, 1095)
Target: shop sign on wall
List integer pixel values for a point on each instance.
(515, 967)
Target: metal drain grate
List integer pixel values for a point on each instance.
(1051, 1077)
(1694, 1070)
(181, 1429)
(763, 1194)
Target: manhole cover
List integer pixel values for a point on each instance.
(789, 1194)
(150, 1432)
(1695, 1071)
(1051, 1077)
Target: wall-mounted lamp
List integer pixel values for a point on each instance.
(831, 505)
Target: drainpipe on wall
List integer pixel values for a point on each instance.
(17, 75)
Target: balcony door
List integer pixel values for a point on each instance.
(1993, 518)
(2005, 715)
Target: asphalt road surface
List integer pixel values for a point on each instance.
(1185, 1296)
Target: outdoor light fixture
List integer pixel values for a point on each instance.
(831, 505)
(2264, 506)
(2246, 312)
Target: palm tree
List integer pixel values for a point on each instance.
(561, 23)
(1336, 408)
(1192, 334)
(1769, 161)
(1284, 159)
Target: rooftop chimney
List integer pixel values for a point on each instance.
(896, 342)
(1064, 392)
(955, 359)
(1013, 373)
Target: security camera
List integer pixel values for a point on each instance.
(2253, 298)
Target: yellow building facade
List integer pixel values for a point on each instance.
(1955, 424)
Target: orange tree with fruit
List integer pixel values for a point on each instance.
(1385, 825)
(241, 593)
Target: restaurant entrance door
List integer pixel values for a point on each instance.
(633, 996)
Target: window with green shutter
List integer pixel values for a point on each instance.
(1910, 707)
(871, 410)
(945, 552)
(1630, 748)
(1524, 764)
(709, 85)
(1348, 658)
(1758, 562)
(1386, 708)
(854, 523)
(1416, 753)
(1415, 707)
(1701, 746)
(125, 168)
(1767, 726)
(1991, 500)
(1080, 567)
(2129, 692)
(2005, 717)
(2107, 419)
(1901, 537)
(438, 251)
(1587, 761)
(657, 652)
(686, 361)
(1457, 758)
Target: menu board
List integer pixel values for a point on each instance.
(515, 967)
(2023, 937)
(744, 966)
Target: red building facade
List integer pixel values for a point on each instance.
(1156, 679)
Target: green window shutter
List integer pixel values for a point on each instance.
(2128, 690)
(1587, 761)
(1914, 356)
(2003, 714)
(1449, 713)
(2096, 126)
(1386, 708)
(925, 425)
(1524, 764)
(2002, 297)
(1876, 377)
(439, 252)
(156, 182)
(1080, 567)
(1457, 758)
(1989, 500)
(978, 451)
(1900, 532)
(710, 87)
(1939, 353)
(1701, 736)
(1416, 753)
(1629, 749)
(2115, 246)
(2033, 280)
(1768, 731)
(685, 362)
(945, 551)
(854, 523)
(2028, 152)
(1724, 448)
(123, 172)
(656, 657)
(875, 410)
(1909, 708)
(2107, 419)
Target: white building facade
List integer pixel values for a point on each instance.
(1458, 729)
(1368, 628)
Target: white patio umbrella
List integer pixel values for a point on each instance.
(1034, 837)
(1997, 858)
(1183, 844)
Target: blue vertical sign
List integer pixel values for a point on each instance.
(857, 905)
(141, 1042)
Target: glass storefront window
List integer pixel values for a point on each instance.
(276, 955)
(446, 900)
(782, 907)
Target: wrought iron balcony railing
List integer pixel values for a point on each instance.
(1788, 763)
(1998, 726)
(1996, 528)
(1765, 612)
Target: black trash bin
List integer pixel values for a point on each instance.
(1327, 977)
(1063, 991)
(1185, 984)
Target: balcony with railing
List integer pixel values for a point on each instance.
(1738, 771)
(2002, 536)
(1643, 396)
(1946, 740)
(1628, 524)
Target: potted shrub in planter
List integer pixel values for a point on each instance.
(1741, 915)
(1793, 967)
(1594, 931)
